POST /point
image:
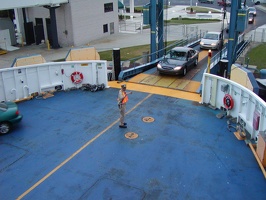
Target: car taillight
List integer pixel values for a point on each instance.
(17, 112)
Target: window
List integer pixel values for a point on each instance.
(105, 28)
(108, 7)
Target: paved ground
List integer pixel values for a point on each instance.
(120, 40)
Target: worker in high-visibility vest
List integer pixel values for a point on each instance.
(122, 101)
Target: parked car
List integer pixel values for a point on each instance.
(256, 2)
(252, 10)
(206, 1)
(178, 61)
(211, 40)
(224, 3)
(250, 18)
(9, 116)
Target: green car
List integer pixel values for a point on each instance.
(9, 116)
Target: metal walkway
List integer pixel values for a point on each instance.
(69, 146)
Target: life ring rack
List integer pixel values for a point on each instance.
(228, 102)
(77, 77)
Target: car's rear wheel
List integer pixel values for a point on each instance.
(4, 128)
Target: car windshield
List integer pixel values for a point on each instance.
(177, 55)
(3, 107)
(211, 36)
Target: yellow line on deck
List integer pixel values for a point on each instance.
(157, 90)
(78, 151)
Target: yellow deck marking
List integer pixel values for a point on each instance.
(151, 79)
(78, 151)
(192, 86)
(158, 90)
(203, 54)
(165, 81)
(175, 84)
(183, 84)
(138, 78)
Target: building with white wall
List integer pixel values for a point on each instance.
(77, 21)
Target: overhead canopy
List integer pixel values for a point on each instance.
(5, 5)
(120, 5)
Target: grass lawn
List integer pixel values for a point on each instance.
(190, 21)
(199, 9)
(257, 56)
(127, 53)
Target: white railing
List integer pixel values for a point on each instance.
(18, 83)
(248, 108)
(133, 27)
(259, 34)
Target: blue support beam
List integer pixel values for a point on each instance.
(160, 29)
(233, 34)
(153, 21)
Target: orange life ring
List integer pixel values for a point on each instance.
(228, 102)
(76, 77)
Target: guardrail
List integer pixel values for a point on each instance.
(18, 83)
(240, 103)
(242, 44)
(190, 42)
(136, 69)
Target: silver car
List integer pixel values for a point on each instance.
(252, 10)
(178, 61)
(211, 40)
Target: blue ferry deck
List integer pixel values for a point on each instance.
(69, 146)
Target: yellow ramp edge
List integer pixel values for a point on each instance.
(157, 90)
(192, 86)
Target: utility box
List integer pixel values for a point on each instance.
(146, 14)
(223, 68)
(242, 20)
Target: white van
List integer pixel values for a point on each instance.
(211, 40)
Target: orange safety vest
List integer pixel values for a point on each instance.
(125, 97)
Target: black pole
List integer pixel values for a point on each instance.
(24, 15)
(54, 28)
(117, 62)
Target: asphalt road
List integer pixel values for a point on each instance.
(259, 19)
(179, 2)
